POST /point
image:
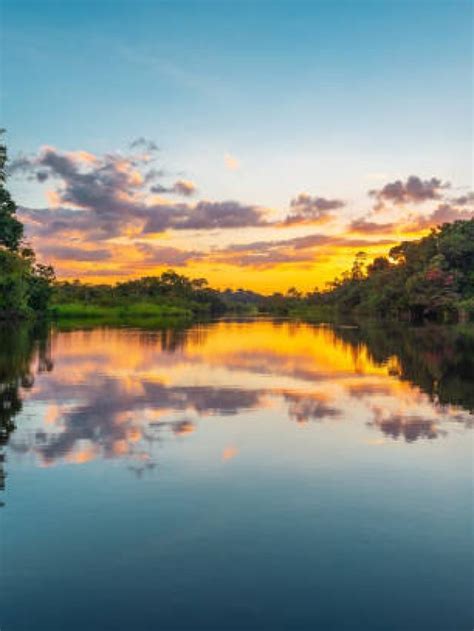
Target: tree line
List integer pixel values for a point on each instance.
(432, 277)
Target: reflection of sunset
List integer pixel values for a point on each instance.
(81, 456)
(121, 393)
(229, 453)
(295, 348)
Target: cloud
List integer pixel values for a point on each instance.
(144, 143)
(304, 407)
(410, 427)
(231, 162)
(364, 389)
(444, 213)
(112, 417)
(180, 187)
(363, 226)
(184, 187)
(413, 190)
(308, 209)
(464, 200)
(203, 215)
(75, 253)
(228, 453)
(101, 205)
(265, 254)
(24, 166)
(183, 427)
(160, 255)
(227, 214)
(311, 241)
(105, 192)
(101, 197)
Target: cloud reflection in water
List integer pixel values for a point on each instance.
(117, 393)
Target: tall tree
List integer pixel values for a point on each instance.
(11, 229)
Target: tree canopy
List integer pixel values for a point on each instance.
(25, 285)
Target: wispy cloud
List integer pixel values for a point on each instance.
(231, 162)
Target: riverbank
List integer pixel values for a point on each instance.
(77, 309)
(140, 314)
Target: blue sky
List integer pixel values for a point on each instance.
(329, 98)
(316, 93)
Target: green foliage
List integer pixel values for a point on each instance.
(11, 229)
(14, 277)
(25, 286)
(40, 287)
(141, 310)
(170, 295)
(432, 277)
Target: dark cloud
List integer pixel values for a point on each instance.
(413, 190)
(411, 428)
(60, 223)
(161, 255)
(106, 190)
(363, 226)
(22, 164)
(464, 200)
(151, 175)
(203, 216)
(26, 167)
(180, 187)
(303, 408)
(227, 214)
(42, 176)
(101, 196)
(144, 143)
(60, 165)
(184, 187)
(308, 209)
(75, 253)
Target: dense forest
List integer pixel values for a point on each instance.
(429, 278)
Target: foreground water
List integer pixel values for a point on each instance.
(237, 475)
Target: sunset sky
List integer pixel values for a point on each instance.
(258, 144)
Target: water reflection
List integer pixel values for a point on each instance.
(120, 393)
(23, 351)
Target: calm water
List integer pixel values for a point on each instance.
(252, 475)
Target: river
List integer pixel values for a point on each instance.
(236, 475)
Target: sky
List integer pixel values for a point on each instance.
(259, 144)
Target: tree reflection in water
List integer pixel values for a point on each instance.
(23, 350)
(437, 359)
(116, 392)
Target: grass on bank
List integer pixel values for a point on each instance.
(119, 312)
